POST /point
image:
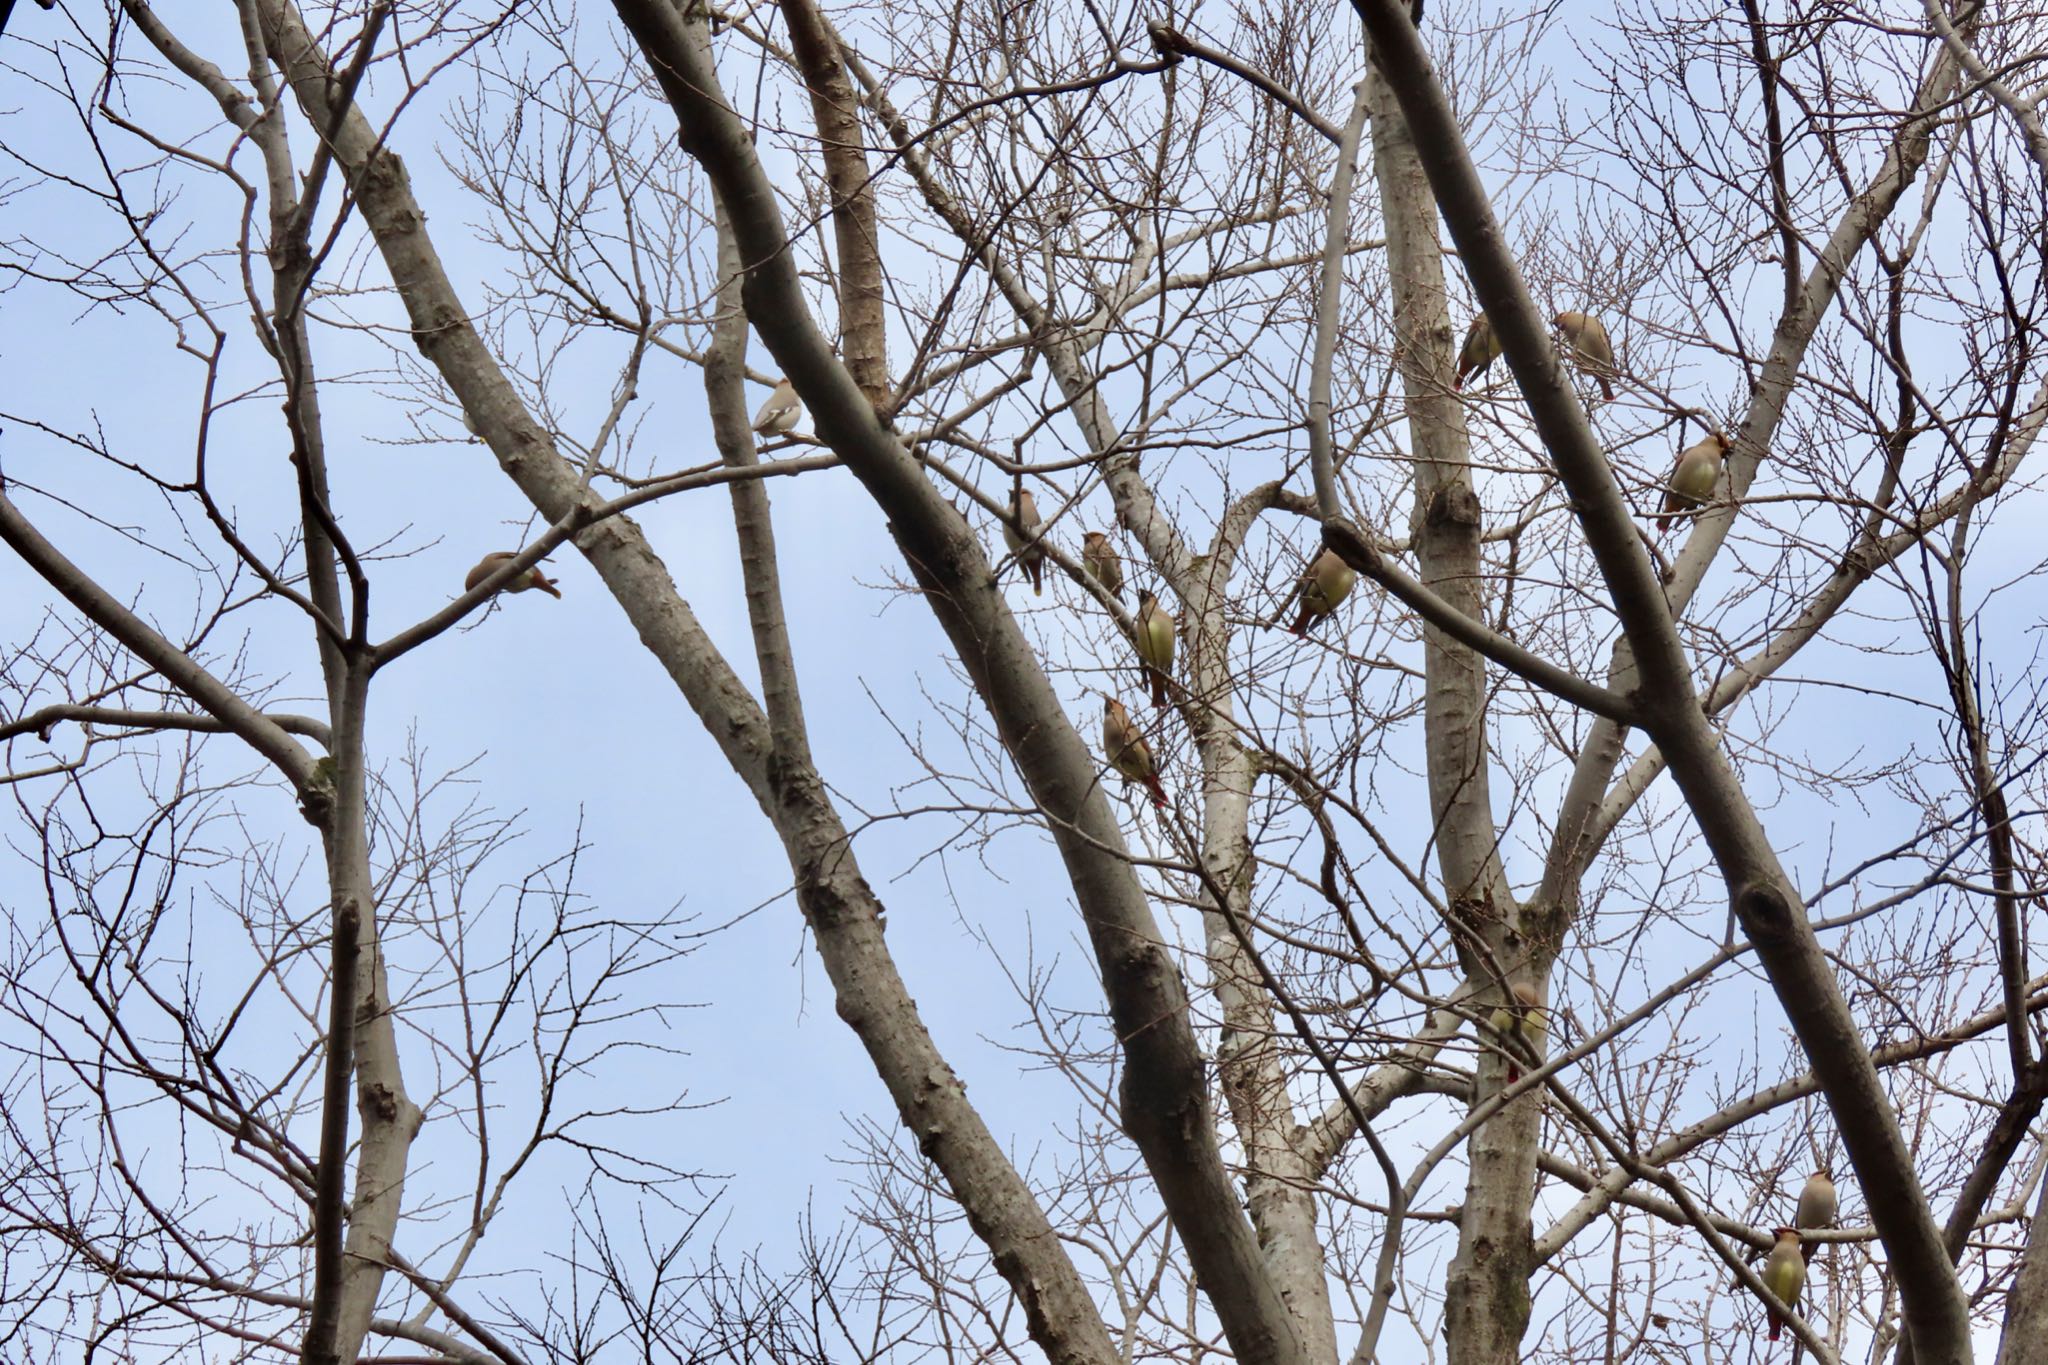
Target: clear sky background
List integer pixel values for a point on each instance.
(560, 721)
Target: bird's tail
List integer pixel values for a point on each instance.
(547, 585)
(1514, 1072)
(1301, 626)
(1152, 785)
(1776, 1323)
(1158, 686)
(1606, 389)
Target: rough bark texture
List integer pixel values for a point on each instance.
(1486, 1293)
(2025, 1339)
(863, 334)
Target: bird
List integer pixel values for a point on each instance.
(1816, 1207)
(1099, 557)
(1154, 639)
(1591, 350)
(1693, 478)
(1324, 584)
(1128, 752)
(532, 578)
(1020, 533)
(781, 412)
(1480, 350)
(1784, 1273)
(1523, 1021)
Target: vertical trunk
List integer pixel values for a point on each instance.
(1249, 1061)
(1487, 1293)
(863, 331)
(2025, 1340)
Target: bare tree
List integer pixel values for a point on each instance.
(1422, 1014)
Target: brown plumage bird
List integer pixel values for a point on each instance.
(1480, 350)
(532, 578)
(1693, 477)
(1325, 583)
(1100, 558)
(1783, 1275)
(781, 412)
(1154, 639)
(1521, 1021)
(1128, 752)
(1591, 351)
(1020, 532)
(1816, 1207)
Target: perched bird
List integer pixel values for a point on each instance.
(1128, 752)
(1481, 349)
(469, 424)
(532, 578)
(1784, 1273)
(1591, 350)
(1523, 1021)
(1324, 583)
(1099, 557)
(1020, 533)
(781, 412)
(1693, 478)
(1816, 1207)
(1154, 639)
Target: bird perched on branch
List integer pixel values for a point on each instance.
(780, 414)
(1783, 1275)
(1020, 532)
(1100, 558)
(1480, 350)
(1325, 583)
(1154, 639)
(1816, 1207)
(1590, 349)
(1521, 1021)
(1693, 477)
(1128, 752)
(532, 578)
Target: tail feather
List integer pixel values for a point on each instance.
(1158, 792)
(1301, 626)
(547, 586)
(1036, 569)
(1776, 1323)
(1158, 680)
(1606, 389)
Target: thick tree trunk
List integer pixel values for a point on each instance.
(1487, 1292)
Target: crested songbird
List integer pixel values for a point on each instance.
(1480, 350)
(1783, 1275)
(532, 578)
(1324, 584)
(1693, 477)
(780, 414)
(1128, 752)
(1592, 352)
(1522, 1021)
(1020, 533)
(1100, 558)
(1154, 639)
(1816, 1206)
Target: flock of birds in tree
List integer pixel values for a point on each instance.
(1323, 585)
(1520, 1024)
